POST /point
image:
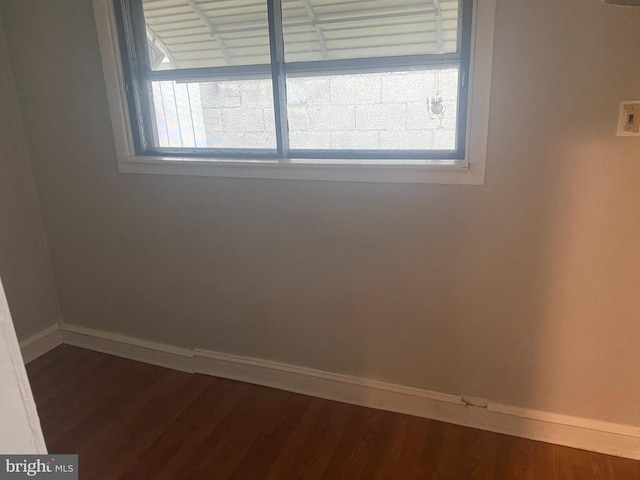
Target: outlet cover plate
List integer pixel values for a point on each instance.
(629, 110)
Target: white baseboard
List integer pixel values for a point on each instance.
(576, 432)
(585, 434)
(40, 343)
(332, 386)
(132, 348)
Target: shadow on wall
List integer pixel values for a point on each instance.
(24, 263)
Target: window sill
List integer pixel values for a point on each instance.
(458, 173)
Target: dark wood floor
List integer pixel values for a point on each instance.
(130, 420)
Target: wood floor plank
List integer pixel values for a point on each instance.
(170, 442)
(370, 450)
(104, 403)
(447, 462)
(302, 444)
(323, 445)
(513, 459)
(256, 418)
(541, 460)
(146, 424)
(563, 463)
(258, 460)
(75, 367)
(37, 366)
(355, 423)
(211, 431)
(477, 455)
(408, 456)
(133, 421)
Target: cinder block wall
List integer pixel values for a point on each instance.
(374, 110)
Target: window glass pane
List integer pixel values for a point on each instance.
(206, 33)
(338, 29)
(214, 114)
(364, 111)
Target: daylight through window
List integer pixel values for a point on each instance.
(298, 80)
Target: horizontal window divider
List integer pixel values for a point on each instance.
(342, 155)
(213, 153)
(324, 67)
(399, 155)
(405, 62)
(207, 73)
(434, 164)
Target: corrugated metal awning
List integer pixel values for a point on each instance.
(213, 33)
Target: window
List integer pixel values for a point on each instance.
(319, 84)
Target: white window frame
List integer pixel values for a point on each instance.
(469, 172)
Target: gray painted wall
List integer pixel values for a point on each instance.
(24, 264)
(523, 291)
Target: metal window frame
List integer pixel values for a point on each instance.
(138, 76)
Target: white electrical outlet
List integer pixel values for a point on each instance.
(629, 119)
